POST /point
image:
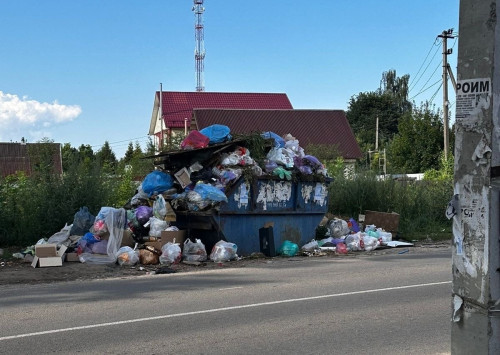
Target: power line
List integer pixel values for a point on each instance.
(434, 95)
(427, 88)
(126, 140)
(414, 83)
(430, 77)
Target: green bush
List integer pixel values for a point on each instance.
(420, 204)
(37, 206)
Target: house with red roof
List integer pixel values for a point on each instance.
(181, 112)
(175, 112)
(326, 127)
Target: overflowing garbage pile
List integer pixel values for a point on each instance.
(145, 232)
(343, 236)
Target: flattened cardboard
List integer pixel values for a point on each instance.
(183, 177)
(171, 216)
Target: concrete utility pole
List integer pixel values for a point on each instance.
(445, 35)
(476, 228)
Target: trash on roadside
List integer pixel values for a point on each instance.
(223, 251)
(288, 248)
(194, 251)
(171, 254)
(48, 255)
(82, 221)
(148, 257)
(127, 256)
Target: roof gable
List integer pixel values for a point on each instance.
(308, 126)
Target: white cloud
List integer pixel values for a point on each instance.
(18, 113)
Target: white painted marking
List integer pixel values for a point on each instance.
(223, 309)
(230, 288)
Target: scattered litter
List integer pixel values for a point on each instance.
(395, 244)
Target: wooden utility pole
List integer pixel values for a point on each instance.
(445, 35)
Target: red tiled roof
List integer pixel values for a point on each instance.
(179, 105)
(308, 126)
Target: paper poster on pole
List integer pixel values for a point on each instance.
(472, 96)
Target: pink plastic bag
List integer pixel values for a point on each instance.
(341, 248)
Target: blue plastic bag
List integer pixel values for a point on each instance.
(157, 182)
(278, 141)
(217, 133)
(209, 192)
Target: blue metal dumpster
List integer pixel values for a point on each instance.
(293, 209)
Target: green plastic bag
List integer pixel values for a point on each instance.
(288, 248)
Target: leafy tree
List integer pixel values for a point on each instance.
(418, 145)
(362, 114)
(43, 156)
(388, 103)
(69, 156)
(86, 154)
(397, 87)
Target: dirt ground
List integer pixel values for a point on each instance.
(15, 271)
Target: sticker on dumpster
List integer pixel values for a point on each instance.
(306, 193)
(243, 194)
(276, 194)
(320, 194)
(241, 197)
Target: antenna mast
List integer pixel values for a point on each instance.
(199, 51)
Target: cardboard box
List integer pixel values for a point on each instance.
(46, 250)
(72, 257)
(387, 221)
(127, 240)
(48, 255)
(168, 236)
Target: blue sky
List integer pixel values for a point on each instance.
(85, 71)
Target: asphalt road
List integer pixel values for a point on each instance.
(385, 304)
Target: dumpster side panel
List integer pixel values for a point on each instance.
(312, 197)
(277, 196)
(239, 201)
(243, 230)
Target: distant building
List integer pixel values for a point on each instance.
(26, 157)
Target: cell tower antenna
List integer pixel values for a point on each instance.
(199, 51)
